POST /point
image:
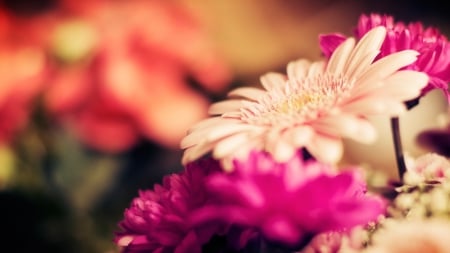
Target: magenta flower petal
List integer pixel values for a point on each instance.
(157, 220)
(289, 212)
(329, 42)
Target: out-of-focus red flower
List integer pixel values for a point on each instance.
(123, 70)
(22, 73)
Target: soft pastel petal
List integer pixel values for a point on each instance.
(272, 80)
(350, 127)
(297, 70)
(387, 66)
(247, 92)
(224, 106)
(325, 148)
(338, 60)
(369, 43)
(226, 146)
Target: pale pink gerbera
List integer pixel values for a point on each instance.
(313, 107)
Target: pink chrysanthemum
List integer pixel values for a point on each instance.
(156, 221)
(289, 202)
(433, 47)
(313, 107)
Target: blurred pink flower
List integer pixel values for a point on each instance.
(22, 73)
(433, 47)
(289, 202)
(429, 167)
(157, 220)
(123, 69)
(313, 107)
(412, 236)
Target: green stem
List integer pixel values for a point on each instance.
(400, 159)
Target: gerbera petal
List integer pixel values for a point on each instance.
(357, 69)
(348, 126)
(227, 145)
(297, 70)
(338, 59)
(272, 80)
(281, 150)
(197, 151)
(232, 115)
(206, 123)
(325, 148)
(404, 85)
(224, 106)
(192, 139)
(370, 42)
(202, 131)
(300, 135)
(316, 68)
(247, 92)
(375, 105)
(226, 130)
(386, 66)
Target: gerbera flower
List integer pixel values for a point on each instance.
(313, 107)
(288, 202)
(433, 47)
(157, 220)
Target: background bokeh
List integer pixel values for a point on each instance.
(95, 95)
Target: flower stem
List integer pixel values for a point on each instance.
(401, 166)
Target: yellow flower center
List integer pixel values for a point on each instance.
(299, 101)
(295, 103)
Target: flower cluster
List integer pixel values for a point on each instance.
(263, 174)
